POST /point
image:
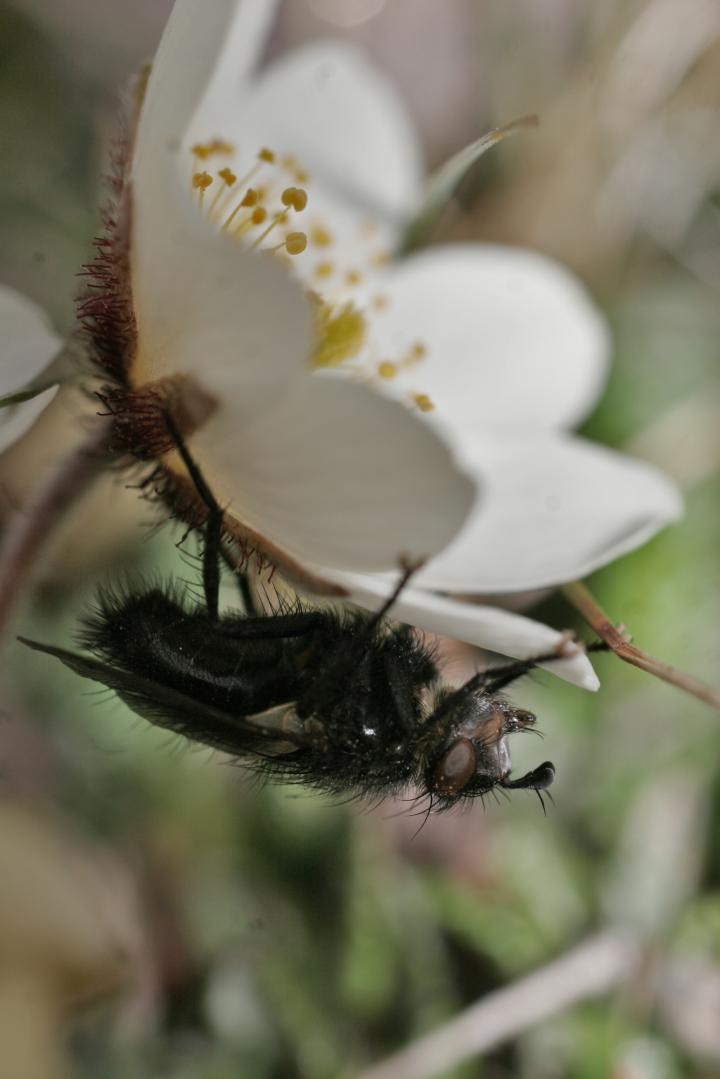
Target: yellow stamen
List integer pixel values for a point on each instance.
(264, 156)
(250, 198)
(288, 161)
(220, 146)
(324, 270)
(201, 182)
(423, 402)
(416, 353)
(340, 335)
(200, 151)
(229, 179)
(257, 217)
(386, 369)
(353, 277)
(279, 219)
(295, 197)
(294, 243)
(302, 177)
(320, 237)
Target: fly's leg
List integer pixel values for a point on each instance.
(213, 522)
(494, 679)
(409, 569)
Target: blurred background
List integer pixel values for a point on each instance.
(266, 932)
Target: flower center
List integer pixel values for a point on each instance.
(258, 208)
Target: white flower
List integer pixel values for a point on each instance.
(500, 349)
(28, 347)
(314, 469)
(483, 355)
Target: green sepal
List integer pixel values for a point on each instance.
(24, 395)
(443, 185)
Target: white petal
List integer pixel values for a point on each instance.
(554, 509)
(511, 336)
(204, 49)
(15, 421)
(331, 109)
(338, 476)
(28, 343)
(235, 321)
(192, 53)
(491, 628)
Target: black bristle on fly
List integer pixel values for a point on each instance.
(344, 701)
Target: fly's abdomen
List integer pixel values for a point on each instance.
(153, 635)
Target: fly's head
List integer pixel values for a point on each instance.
(473, 755)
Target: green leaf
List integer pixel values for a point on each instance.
(444, 183)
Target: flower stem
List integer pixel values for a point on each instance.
(592, 968)
(585, 603)
(34, 523)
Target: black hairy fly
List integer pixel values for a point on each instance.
(348, 702)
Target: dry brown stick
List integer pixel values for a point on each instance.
(582, 599)
(34, 522)
(589, 970)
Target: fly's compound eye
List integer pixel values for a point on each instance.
(455, 768)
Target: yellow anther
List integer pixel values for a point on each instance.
(200, 151)
(202, 180)
(220, 146)
(267, 155)
(386, 369)
(423, 402)
(302, 177)
(281, 218)
(295, 243)
(258, 215)
(295, 197)
(228, 176)
(288, 161)
(324, 269)
(340, 335)
(320, 237)
(353, 277)
(418, 351)
(250, 198)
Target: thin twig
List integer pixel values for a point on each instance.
(582, 599)
(589, 970)
(35, 522)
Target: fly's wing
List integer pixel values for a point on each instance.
(176, 711)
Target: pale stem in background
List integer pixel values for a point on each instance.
(589, 970)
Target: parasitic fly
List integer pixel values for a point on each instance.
(345, 701)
